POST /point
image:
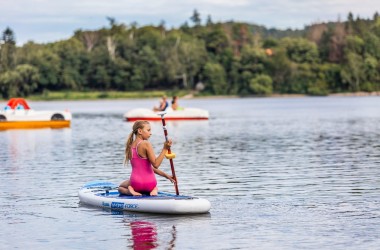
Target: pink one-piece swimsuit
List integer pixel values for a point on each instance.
(142, 176)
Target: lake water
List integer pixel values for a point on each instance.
(280, 173)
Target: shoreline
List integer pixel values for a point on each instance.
(88, 96)
(347, 94)
(374, 93)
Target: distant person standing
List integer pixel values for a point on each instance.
(163, 104)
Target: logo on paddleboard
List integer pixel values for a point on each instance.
(105, 204)
(117, 205)
(121, 205)
(131, 206)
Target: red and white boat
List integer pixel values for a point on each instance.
(18, 114)
(183, 114)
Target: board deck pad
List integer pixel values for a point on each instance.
(160, 196)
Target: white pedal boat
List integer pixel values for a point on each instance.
(18, 114)
(150, 115)
(104, 194)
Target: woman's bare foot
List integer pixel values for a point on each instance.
(133, 192)
(154, 192)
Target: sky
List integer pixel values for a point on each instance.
(44, 21)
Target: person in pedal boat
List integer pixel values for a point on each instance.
(175, 105)
(139, 152)
(163, 104)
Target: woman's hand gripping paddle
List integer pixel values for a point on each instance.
(169, 155)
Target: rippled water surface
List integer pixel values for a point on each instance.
(294, 173)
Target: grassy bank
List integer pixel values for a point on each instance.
(99, 95)
(95, 95)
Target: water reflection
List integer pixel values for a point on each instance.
(155, 231)
(144, 235)
(22, 146)
(151, 231)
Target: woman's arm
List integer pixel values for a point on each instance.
(163, 105)
(156, 161)
(163, 174)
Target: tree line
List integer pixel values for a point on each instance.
(214, 58)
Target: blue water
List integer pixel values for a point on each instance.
(280, 173)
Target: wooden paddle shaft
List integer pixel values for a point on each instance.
(171, 160)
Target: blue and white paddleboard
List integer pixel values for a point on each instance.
(105, 194)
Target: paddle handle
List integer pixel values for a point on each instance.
(169, 151)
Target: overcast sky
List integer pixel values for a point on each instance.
(51, 20)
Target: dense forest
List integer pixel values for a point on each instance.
(212, 58)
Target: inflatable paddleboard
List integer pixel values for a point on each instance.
(104, 194)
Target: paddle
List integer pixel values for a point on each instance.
(169, 155)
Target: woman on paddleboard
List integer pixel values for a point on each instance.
(139, 152)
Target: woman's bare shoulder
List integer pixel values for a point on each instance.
(145, 144)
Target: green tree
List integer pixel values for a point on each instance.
(171, 69)
(216, 40)
(149, 66)
(98, 75)
(261, 85)
(20, 81)
(253, 59)
(45, 60)
(371, 45)
(215, 78)
(149, 36)
(279, 68)
(234, 75)
(270, 43)
(371, 73)
(300, 50)
(352, 72)
(121, 72)
(196, 18)
(332, 75)
(7, 50)
(137, 80)
(71, 53)
(350, 23)
(375, 27)
(355, 44)
(300, 79)
(209, 21)
(192, 56)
